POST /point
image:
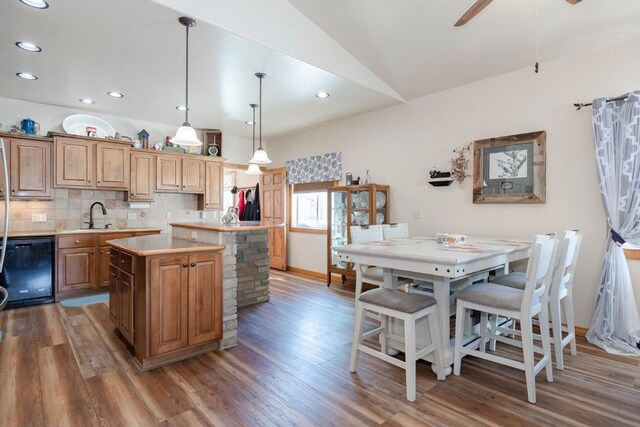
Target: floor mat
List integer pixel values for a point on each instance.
(80, 301)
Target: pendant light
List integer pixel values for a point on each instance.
(254, 169)
(186, 135)
(260, 156)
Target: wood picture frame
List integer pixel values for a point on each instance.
(510, 169)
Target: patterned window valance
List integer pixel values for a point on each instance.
(325, 167)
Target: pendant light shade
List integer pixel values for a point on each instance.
(253, 169)
(260, 156)
(186, 135)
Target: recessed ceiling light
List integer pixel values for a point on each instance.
(26, 76)
(249, 122)
(115, 94)
(322, 95)
(38, 4)
(28, 46)
(87, 101)
(181, 108)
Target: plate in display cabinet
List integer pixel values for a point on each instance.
(360, 200)
(381, 199)
(77, 124)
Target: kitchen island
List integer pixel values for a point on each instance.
(245, 258)
(166, 298)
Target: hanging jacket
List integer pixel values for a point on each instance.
(247, 208)
(241, 204)
(255, 206)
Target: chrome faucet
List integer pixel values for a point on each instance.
(104, 212)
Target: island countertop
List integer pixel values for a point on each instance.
(160, 244)
(211, 226)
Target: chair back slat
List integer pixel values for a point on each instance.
(566, 264)
(395, 231)
(539, 269)
(366, 233)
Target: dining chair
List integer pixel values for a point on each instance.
(409, 308)
(363, 234)
(521, 305)
(395, 231)
(560, 295)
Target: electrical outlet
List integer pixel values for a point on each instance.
(131, 215)
(39, 217)
(194, 235)
(203, 215)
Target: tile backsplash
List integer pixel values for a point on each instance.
(70, 210)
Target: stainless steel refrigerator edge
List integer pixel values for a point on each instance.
(5, 234)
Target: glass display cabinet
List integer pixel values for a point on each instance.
(352, 205)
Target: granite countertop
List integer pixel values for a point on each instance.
(160, 244)
(37, 233)
(211, 226)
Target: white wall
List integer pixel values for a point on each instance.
(401, 144)
(50, 117)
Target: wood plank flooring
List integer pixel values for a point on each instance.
(65, 366)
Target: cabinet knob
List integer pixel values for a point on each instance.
(133, 194)
(193, 264)
(98, 182)
(77, 242)
(102, 252)
(185, 265)
(122, 261)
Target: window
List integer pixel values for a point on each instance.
(309, 207)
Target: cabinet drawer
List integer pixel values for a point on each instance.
(126, 262)
(113, 236)
(76, 241)
(114, 257)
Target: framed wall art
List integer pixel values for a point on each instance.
(510, 169)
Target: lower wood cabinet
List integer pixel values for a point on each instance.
(168, 306)
(83, 262)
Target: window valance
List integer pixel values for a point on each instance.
(324, 167)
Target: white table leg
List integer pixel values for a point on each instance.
(441, 286)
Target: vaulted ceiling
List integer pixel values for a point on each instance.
(367, 54)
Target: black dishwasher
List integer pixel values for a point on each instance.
(28, 271)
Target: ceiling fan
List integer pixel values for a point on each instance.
(481, 4)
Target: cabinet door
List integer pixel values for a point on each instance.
(126, 292)
(192, 176)
(74, 163)
(168, 173)
(213, 190)
(103, 273)
(112, 162)
(142, 183)
(76, 269)
(7, 150)
(114, 295)
(30, 169)
(205, 298)
(167, 293)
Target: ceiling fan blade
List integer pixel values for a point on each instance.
(472, 12)
(573, 1)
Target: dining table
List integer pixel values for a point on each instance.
(448, 267)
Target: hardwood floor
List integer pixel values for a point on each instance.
(65, 366)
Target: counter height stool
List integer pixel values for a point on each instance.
(560, 293)
(521, 305)
(409, 308)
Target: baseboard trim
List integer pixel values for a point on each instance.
(308, 273)
(581, 332)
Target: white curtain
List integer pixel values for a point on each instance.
(615, 326)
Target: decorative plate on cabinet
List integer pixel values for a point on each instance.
(76, 124)
(381, 200)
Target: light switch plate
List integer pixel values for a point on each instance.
(39, 217)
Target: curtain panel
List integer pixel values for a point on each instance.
(321, 168)
(615, 326)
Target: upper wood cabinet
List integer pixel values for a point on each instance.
(112, 165)
(176, 174)
(213, 186)
(168, 173)
(74, 163)
(192, 175)
(142, 182)
(29, 163)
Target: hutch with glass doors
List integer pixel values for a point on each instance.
(352, 205)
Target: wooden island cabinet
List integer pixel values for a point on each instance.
(165, 297)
